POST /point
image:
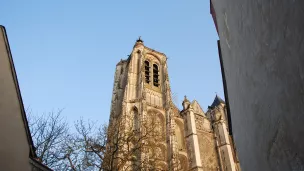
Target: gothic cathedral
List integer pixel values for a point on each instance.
(190, 139)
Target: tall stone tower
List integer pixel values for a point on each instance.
(189, 139)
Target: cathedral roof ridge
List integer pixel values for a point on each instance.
(155, 51)
(139, 41)
(217, 101)
(194, 101)
(197, 107)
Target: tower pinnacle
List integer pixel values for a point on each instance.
(185, 103)
(139, 40)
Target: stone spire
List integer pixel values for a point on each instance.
(185, 103)
(217, 101)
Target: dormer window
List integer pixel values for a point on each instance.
(155, 75)
(147, 72)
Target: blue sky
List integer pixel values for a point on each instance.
(65, 51)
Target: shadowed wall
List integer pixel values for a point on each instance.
(263, 59)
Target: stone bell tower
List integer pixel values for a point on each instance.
(180, 140)
(141, 92)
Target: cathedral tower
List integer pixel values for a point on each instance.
(180, 140)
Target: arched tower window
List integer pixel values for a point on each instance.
(147, 72)
(180, 136)
(135, 119)
(155, 75)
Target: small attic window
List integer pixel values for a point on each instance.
(147, 72)
(155, 75)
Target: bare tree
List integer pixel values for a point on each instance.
(121, 146)
(60, 149)
(124, 145)
(131, 147)
(48, 133)
(90, 140)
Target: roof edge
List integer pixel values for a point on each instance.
(23, 114)
(39, 164)
(121, 62)
(155, 51)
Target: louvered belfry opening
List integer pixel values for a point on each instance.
(147, 72)
(155, 75)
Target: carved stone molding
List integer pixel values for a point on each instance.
(134, 101)
(152, 92)
(155, 106)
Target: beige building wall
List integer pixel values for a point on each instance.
(16, 146)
